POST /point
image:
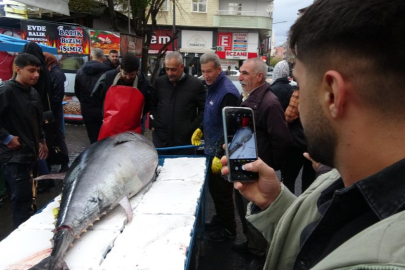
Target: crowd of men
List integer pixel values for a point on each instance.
(352, 111)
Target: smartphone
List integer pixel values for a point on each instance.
(240, 142)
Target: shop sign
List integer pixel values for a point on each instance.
(105, 40)
(240, 42)
(159, 39)
(236, 55)
(225, 40)
(130, 44)
(197, 40)
(67, 39)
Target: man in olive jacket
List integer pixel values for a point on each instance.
(353, 116)
(177, 105)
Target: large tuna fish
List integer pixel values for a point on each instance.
(104, 175)
(241, 136)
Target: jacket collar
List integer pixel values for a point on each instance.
(217, 82)
(281, 81)
(256, 96)
(384, 192)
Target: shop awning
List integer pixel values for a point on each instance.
(59, 6)
(12, 44)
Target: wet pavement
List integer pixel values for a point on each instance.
(206, 254)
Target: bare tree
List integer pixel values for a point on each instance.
(114, 23)
(144, 11)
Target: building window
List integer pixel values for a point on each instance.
(235, 8)
(165, 6)
(199, 5)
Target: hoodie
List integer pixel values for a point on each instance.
(86, 78)
(43, 86)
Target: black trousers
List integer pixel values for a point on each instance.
(93, 124)
(257, 244)
(19, 180)
(222, 195)
(291, 168)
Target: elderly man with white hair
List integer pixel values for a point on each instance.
(273, 141)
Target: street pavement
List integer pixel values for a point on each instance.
(206, 254)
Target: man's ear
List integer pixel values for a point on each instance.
(17, 70)
(336, 93)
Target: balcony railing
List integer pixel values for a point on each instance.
(244, 13)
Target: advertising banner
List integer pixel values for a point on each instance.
(225, 40)
(105, 40)
(236, 55)
(196, 40)
(159, 39)
(130, 43)
(240, 42)
(67, 39)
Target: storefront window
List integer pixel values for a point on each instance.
(71, 63)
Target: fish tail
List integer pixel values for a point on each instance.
(49, 264)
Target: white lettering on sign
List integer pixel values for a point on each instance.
(36, 28)
(236, 55)
(162, 40)
(225, 41)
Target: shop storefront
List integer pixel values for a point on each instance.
(193, 45)
(234, 48)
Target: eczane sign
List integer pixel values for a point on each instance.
(236, 55)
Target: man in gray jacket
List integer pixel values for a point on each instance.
(353, 115)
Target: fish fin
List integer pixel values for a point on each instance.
(49, 263)
(127, 207)
(55, 176)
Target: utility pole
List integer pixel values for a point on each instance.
(174, 23)
(129, 17)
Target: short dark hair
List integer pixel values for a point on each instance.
(113, 51)
(363, 40)
(25, 59)
(130, 62)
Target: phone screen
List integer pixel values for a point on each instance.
(241, 142)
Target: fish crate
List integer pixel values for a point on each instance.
(196, 247)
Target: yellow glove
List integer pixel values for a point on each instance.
(197, 136)
(216, 166)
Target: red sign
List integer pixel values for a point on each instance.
(160, 38)
(225, 39)
(236, 55)
(222, 55)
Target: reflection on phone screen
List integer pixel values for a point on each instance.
(241, 143)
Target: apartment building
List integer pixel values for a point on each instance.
(235, 29)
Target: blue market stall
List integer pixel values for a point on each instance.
(13, 44)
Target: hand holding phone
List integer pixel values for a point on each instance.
(262, 192)
(240, 142)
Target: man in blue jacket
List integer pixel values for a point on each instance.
(221, 92)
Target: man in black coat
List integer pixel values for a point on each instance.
(22, 139)
(86, 78)
(177, 105)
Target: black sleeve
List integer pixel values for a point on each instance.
(4, 103)
(201, 96)
(229, 100)
(99, 90)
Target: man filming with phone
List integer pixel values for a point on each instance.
(353, 115)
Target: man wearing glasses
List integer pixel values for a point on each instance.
(125, 92)
(177, 107)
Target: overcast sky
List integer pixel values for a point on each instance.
(286, 10)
